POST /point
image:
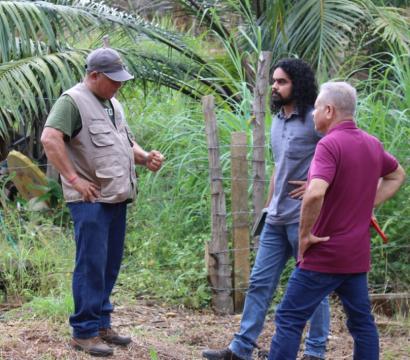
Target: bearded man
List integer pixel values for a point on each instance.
(293, 141)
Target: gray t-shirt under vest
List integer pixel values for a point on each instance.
(293, 142)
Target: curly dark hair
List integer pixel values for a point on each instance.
(304, 86)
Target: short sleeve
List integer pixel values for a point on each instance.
(323, 164)
(64, 116)
(389, 164)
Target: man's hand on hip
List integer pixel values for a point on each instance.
(305, 242)
(299, 191)
(88, 190)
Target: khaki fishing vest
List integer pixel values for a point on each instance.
(101, 152)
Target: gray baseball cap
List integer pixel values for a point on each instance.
(108, 62)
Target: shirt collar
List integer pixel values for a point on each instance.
(344, 125)
(282, 116)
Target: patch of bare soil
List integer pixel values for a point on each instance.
(177, 334)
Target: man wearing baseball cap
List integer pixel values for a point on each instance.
(108, 62)
(87, 139)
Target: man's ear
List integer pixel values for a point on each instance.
(329, 111)
(93, 75)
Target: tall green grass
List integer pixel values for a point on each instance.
(37, 259)
(169, 224)
(384, 111)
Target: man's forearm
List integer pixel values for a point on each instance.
(311, 206)
(389, 185)
(57, 155)
(140, 155)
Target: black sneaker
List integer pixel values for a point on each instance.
(112, 337)
(224, 354)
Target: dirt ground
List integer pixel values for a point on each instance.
(177, 334)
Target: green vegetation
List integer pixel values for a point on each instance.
(169, 224)
(384, 111)
(39, 263)
(41, 53)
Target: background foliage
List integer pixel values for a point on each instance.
(177, 60)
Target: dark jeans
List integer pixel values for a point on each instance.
(99, 236)
(277, 244)
(306, 289)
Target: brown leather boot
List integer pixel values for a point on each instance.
(111, 337)
(93, 346)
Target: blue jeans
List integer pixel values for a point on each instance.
(277, 244)
(99, 236)
(305, 291)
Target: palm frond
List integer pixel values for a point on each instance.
(208, 13)
(41, 54)
(173, 73)
(29, 86)
(319, 30)
(272, 23)
(393, 25)
(39, 26)
(106, 14)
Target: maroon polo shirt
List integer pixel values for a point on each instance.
(351, 161)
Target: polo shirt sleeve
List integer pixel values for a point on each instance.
(389, 164)
(65, 116)
(323, 164)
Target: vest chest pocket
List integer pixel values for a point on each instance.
(101, 135)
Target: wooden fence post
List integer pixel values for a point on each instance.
(217, 255)
(240, 218)
(259, 111)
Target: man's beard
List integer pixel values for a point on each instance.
(279, 101)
